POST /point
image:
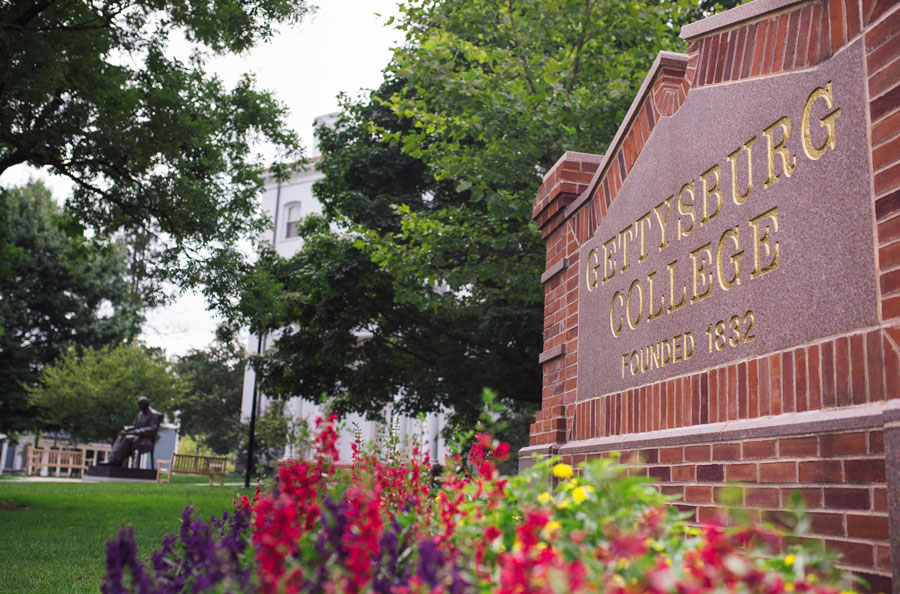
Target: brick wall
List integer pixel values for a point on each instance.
(841, 473)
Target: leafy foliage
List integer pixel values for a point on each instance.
(61, 290)
(94, 395)
(210, 409)
(154, 144)
(387, 524)
(422, 277)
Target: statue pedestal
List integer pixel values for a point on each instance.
(118, 473)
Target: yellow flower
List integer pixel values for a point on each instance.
(545, 498)
(562, 504)
(579, 495)
(623, 563)
(552, 526)
(789, 560)
(789, 587)
(562, 471)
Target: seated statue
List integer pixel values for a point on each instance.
(139, 437)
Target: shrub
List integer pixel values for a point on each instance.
(388, 525)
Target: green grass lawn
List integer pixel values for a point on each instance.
(53, 535)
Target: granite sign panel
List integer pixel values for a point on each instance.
(744, 227)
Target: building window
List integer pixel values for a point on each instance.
(293, 217)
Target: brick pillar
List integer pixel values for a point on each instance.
(562, 185)
(892, 468)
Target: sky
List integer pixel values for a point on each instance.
(342, 47)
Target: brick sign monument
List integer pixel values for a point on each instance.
(723, 286)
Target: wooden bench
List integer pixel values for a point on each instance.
(198, 464)
(67, 460)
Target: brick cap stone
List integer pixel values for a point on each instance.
(732, 17)
(892, 413)
(663, 59)
(554, 270)
(553, 353)
(866, 416)
(573, 156)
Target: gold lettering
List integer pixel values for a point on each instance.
(672, 305)
(675, 357)
(612, 306)
(663, 220)
(623, 241)
(788, 163)
(707, 192)
(700, 271)
(592, 280)
(666, 353)
(688, 354)
(654, 357)
(634, 323)
(624, 364)
(634, 365)
(735, 259)
(652, 315)
(812, 151)
(640, 225)
(609, 247)
(685, 210)
(765, 240)
(732, 158)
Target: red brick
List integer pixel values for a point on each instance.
(698, 494)
(815, 27)
(864, 471)
(836, 14)
(811, 496)
(778, 49)
(759, 449)
(883, 554)
(742, 390)
(889, 177)
(763, 370)
(842, 370)
(828, 375)
(800, 380)
(787, 384)
(683, 473)
(876, 442)
(874, 363)
(711, 514)
(674, 490)
(753, 388)
(700, 453)
(671, 455)
(843, 444)
(775, 384)
(821, 471)
(858, 368)
(847, 498)
(828, 524)
(853, 21)
(802, 37)
(726, 451)
(660, 473)
(790, 47)
(689, 510)
(740, 472)
(778, 472)
(882, 55)
(710, 472)
(852, 553)
(761, 497)
(798, 447)
(889, 230)
(815, 392)
(713, 396)
(871, 527)
(879, 499)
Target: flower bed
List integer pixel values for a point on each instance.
(391, 524)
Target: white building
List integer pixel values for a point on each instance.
(286, 203)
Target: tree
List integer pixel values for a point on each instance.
(422, 279)
(210, 408)
(94, 395)
(154, 144)
(62, 290)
